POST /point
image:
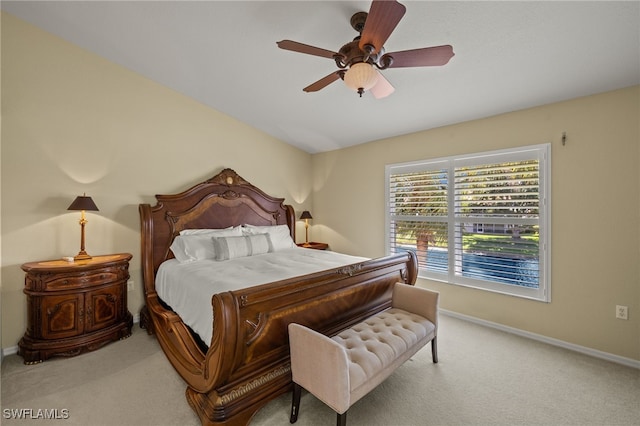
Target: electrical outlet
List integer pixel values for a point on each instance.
(130, 285)
(622, 312)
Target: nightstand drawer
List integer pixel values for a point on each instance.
(81, 280)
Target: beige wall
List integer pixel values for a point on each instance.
(595, 213)
(1, 353)
(74, 123)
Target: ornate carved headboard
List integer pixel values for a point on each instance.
(222, 201)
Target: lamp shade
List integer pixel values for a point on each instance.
(306, 215)
(82, 202)
(360, 77)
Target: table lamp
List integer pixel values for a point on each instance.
(82, 203)
(306, 216)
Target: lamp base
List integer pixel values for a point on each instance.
(82, 255)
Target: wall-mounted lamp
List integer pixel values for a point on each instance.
(82, 203)
(306, 216)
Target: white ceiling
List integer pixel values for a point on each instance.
(509, 55)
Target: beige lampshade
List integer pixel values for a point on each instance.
(361, 77)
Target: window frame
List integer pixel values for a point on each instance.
(541, 153)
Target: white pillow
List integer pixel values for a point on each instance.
(225, 232)
(279, 234)
(195, 244)
(249, 245)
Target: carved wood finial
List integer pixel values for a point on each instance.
(228, 177)
(230, 194)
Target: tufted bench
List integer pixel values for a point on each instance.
(342, 369)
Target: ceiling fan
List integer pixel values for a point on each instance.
(357, 60)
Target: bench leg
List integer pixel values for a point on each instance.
(342, 419)
(434, 350)
(295, 402)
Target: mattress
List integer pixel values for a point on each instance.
(188, 287)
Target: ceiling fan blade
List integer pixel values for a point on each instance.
(425, 57)
(382, 89)
(323, 82)
(305, 48)
(383, 18)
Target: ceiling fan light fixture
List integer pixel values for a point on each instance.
(361, 77)
(359, 61)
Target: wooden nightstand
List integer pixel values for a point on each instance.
(313, 245)
(74, 307)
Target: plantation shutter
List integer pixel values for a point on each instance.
(480, 220)
(418, 207)
(497, 204)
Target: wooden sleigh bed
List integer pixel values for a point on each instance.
(246, 364)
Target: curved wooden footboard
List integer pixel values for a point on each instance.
(247, 362)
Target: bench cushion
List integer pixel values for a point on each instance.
(376, 346)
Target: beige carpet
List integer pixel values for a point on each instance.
(484, 377)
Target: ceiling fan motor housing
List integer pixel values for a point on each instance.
(351, 53)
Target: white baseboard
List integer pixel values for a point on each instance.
(14, 349)
(9, 351)
(555, 342)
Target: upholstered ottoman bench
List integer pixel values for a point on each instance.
(342, 369)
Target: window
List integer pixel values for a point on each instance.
(480, 220)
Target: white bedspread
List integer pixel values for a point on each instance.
(188, 287)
